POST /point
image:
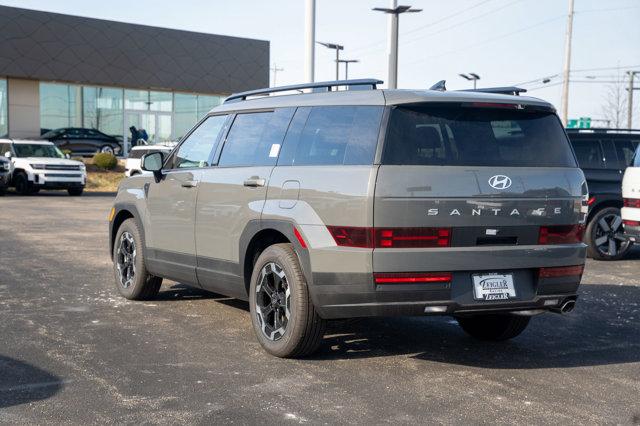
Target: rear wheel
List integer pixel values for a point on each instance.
(496, 327)
(132, 279)
(283, 316)
(106, 149)
(21, 183)
(605, 235)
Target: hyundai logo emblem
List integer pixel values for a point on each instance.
(500, 181)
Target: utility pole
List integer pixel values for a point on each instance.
(275, 70)
(567, 65)
(310, 41)
(346, 63)
(394, 12)
(337, 48)
(632, 74)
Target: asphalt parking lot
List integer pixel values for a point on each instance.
(73, 351)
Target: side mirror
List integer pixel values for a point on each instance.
(152, 162)
(67, 156)
(7, 154)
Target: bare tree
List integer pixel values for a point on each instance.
(615, 102)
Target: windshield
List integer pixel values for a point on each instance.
(473, 136)
(37, 150)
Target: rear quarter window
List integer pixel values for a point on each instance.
(332, 135)
(472, 136)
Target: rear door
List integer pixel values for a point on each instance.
(171, 203)
(232, 195)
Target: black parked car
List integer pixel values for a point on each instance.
(83, 141)
(604, 154)
(5, 173)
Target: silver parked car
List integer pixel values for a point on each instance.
(353, 203)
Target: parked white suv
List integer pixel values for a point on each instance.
(631, 198)
(41, 165)
(133, 167)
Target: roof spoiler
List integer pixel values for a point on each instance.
(324, 86)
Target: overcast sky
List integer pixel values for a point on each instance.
(504, 41)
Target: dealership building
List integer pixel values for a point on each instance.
(67, 71)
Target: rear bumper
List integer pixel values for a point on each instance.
(632, 233)
(346, 295)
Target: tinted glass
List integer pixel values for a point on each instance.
(37, 150)
(255, 138)
(196, 149)
(625, 150)
(588, 153)
(609, 154)
(636, 157)
(450, 135)
(336, 135)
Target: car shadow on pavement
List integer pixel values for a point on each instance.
(63, 194)
(177, 292)
(604, 329)
(21, 383)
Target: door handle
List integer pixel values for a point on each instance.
(190, 184)
(255, 182)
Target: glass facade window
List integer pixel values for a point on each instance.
(164, 116)
(102, 109)
(4, 126)
(60, 106)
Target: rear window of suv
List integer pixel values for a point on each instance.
(472, 136)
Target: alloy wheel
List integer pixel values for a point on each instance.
(273, 301)
(126, 259)
(609, 239)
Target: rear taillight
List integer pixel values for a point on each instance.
(561, 271)
(350, 236)
(631, 222)
(632, 202)
(561, 234)
(412, 278)
(412, 237)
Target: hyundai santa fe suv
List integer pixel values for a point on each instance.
(353, 203)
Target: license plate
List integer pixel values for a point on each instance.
(493, 287)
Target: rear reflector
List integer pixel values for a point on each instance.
(411, 277)
(562, 234)
(562, 271)
(591, 200)
(303, 244)
(632, 202)
(631, 222)
(349, 236)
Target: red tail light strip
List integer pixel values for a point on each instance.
(632, 202)
(411, 278)
(562, 271)
(348, 236)
(562, 234)
(631, 222)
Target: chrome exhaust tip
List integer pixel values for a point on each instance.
(567, 307)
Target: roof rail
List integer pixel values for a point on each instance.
(602, 130)
(325, 86)
(507, 90)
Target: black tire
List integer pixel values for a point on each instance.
(606, 244)
(140, 285)
(107, 149)
(2, 191)
(304, 329)
(495, 327)
(75, 192)
(21, 183)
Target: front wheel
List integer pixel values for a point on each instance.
(496, 327)
(604, 235)
(22, 184)
(75, 192)
(132, 279)
(283, 316)
(106, 149)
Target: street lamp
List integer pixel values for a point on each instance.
(337, 48)
(394, 11)
(346, 63)
(471, 77)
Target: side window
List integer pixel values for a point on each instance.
(196, 149)
(255, 138)
(625, 150)
(336, 135)
(588, 153)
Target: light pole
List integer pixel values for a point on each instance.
(337, 48)
(310, 41)
(275, 70)
(567, 66)
(394, 12)
(632, 74)
(346, 63)
(471, 77)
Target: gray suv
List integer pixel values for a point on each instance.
(328, 203)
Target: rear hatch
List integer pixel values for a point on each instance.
(467, 175)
